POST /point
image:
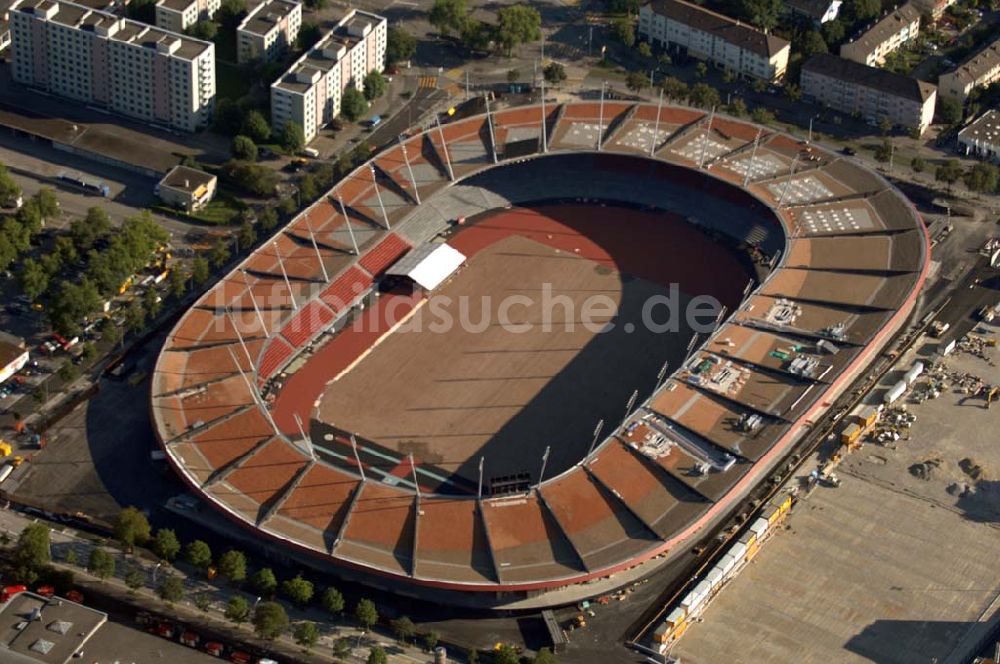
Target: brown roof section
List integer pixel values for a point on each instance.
(730, 30)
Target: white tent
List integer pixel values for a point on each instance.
(429, 264)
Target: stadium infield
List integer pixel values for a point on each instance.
(537, 339)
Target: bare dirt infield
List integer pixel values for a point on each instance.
(453, 394)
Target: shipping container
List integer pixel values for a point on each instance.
(759, 527)
(703, 588)
(738, 551)
(850, 435)
(747, 538)
(714, 577)
(661, 632)
(727, 563)
(914, 372)
(868, 416)
(772, 514)
(897, 391)
(676, 617)
(752, 549)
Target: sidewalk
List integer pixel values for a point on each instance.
(145, 598)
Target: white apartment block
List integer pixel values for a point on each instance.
(97, 58)
(888, 34)
(979, 71)
(269, 29)
(309, 92)
(872, 93)
(982, 137)
(725, 42)
(179, 15)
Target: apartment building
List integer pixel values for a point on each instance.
(982, 138)
(268, 30)
(309, 92)
(127, 67)
(872, 93)
(888, 34)
(934, 8)
(979, 71)
(179, 15)
(727, 43)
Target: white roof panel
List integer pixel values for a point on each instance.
(429, 264)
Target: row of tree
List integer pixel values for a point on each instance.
(515, 25)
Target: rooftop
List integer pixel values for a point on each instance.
(175, 5)
(266, 16)
(815, 9)
(735, 32)
(49, 631)
(979, 64)
(986, 128)
(886, 27)
(186, 179)
(849, 71)
(11, 348)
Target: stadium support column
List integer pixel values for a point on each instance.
(357, 457)
(479, 493)
(319, 257)
(350, 229)
(378, 194)
(444, 149)
(656, 126)
(416, 485)
(409, 170)
(253, 301)
(788, 182)
(545, 461)
(288, 284)
(545, 118)
(600, 118)
(753, 157)
(305, 439)
(239, 335)
(254, 394)
(489, 123)
(593, 442)
(704, 142)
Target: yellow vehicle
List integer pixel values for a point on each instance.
(125, 286)
(5, 448)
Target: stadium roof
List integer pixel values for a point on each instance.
(853, 258)
(429, 264)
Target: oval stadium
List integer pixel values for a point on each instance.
(530, 356)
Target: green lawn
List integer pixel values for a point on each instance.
(220, 212)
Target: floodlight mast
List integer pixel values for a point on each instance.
(444, 149)
(378, 194)
(479, 493)
(253, 301)
(350, 229)
(357, 457)
(656, 126)
(319, 257)
(409, 170)
(288, 284)
(593, 442)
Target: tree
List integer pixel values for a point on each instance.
(763, 13)
(918, 164)
(949, 110)
(244, 148)
(505, 654)
(761, 115)
(88, 352)
(353, 104)
(131, 527)
(701, 69)
(227, 117)
(544, 656)
(264, 582)
(366, 614)
(206, 30)
(177, 283)
(513, 75)
(674, 88)
(247, 235)
(269, 620)
(400, 45)
(375, 85)
(293, 138)
(704, 96)
(252, 178)
(219, 254)
(644, 49)
(377, 656)
(833, 32)
(47, 204)
(237, 609)
(67, 372)
(135, 315)
(231, 12)
(636, 81)
(517, 24)
(306, 634)
(448, 15)
(198, 554)
(431, 640)
(267, 218)
(342, 648)
(34, 279)
(982, 177)
(475, 36)
(883, 152)
(333, 601)
(101, 563)
(134, 579)
(813, 43)
(949, 172)
(10, 191)
(86, 232)
(863, 10)
(554, 73)
(308, 188)
(472, 657)
(32, 550)
(199, 270)
(738, 107)
(298, 590)
(403, 629)
(233, 566)
(309, 34)
(623, 31)
(203, 602)
(171, 589)
(255, 126)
